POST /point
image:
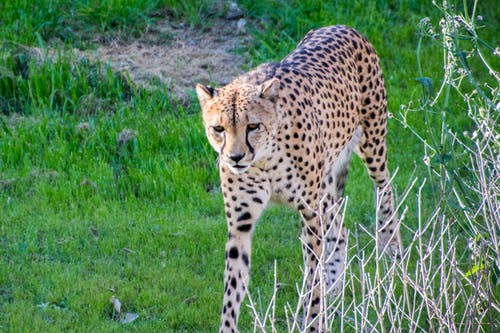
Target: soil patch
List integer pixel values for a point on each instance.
(179, 56)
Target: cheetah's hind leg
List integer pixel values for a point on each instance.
(387, 224)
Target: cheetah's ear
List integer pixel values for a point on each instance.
(205, 93)
(269, 89)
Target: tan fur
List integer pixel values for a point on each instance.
(285, 132)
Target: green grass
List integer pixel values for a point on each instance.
(84, 217)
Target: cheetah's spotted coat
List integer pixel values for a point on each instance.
(285, 132)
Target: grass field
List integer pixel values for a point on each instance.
(109, 188)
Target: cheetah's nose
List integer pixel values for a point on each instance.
(237, 158)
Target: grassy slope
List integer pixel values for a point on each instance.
(83, 218)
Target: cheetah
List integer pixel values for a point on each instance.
(285, 133)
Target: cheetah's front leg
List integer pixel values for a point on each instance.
(245, 198)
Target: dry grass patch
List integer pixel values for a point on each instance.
(178, 56)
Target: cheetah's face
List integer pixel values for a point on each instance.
(240, 122)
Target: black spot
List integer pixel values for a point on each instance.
(244, 216)
(233, 253)
(244, 256)
(308, 217)
(233, 283)
(257, 200)
(381, 151)
(244, 227)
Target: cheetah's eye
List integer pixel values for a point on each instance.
(253, 126)
(218, 129)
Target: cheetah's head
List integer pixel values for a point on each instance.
(240, 121)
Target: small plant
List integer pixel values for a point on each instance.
(464, 165)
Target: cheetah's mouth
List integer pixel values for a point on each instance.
(238, 168)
